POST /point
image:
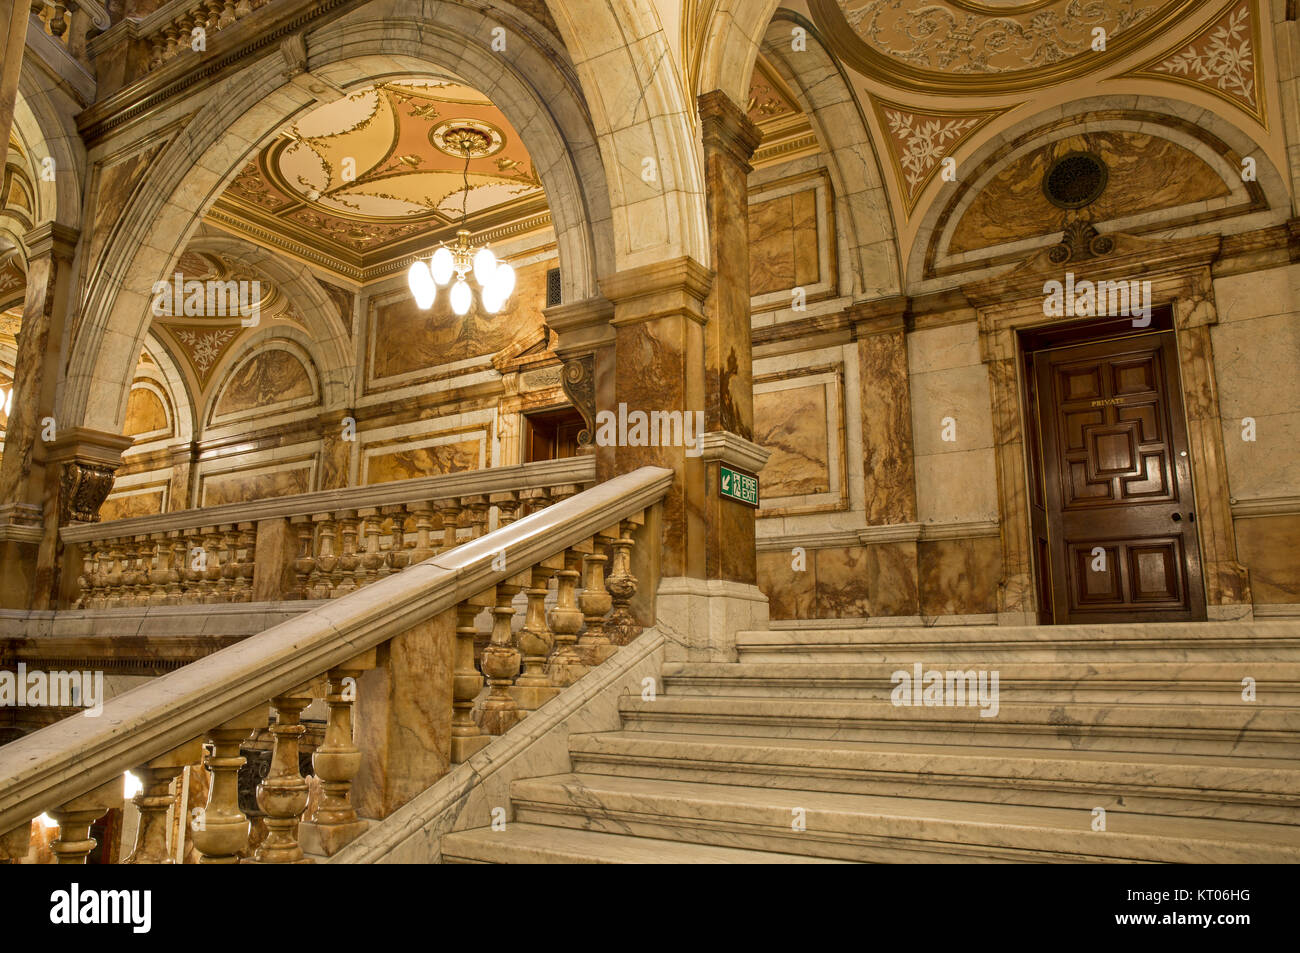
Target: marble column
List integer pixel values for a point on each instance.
(729, 139)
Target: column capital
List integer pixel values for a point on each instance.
(880, 316)
(52, 238)
(726, 128)
(84, 445)
(677, 286)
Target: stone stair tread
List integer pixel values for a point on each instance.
(830, 811)
(536, 843)
(1246, 716)
(1155, 632)
(1278, 672)
(799, 750)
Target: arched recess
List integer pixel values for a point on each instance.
(283, 338)
(731, 42)
(167, 374)
(854, 166)
(243, 112)
(1209, 136)
(640, 111)
(331, 346)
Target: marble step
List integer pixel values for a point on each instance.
(1252, 730)
(885, 829)
(523, 843)
(1100, 682)
(1253, 789)
(1199, 641)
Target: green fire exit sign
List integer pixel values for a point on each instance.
(738, 486)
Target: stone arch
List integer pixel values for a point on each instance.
(167, 374)
(640, 111)
(854, 165)
(243, 112)
(331, 344)
(43, 121)
(1210, 136)
(735, 32)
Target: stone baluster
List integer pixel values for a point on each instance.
(507, 504)
(305, 562)
(566, 666)
(130, 569)
(74, 843)
(334, 822)
(533, 688)
(220, 832)
(211, 566)
(621, 626)
(159, 569)
(229, 540)
(466, 735)
(477, 507)
(283, 794)
(114, 594)
(593, 645)
(152, 801)
(371, 558)
(176, 567)
(563, 491)
(423, 515)
(245, 563)
(227, 16)
(398, 556)
(500, 663)
(86, 581)
(348, 558)
(326, 560)
(193, 570)
(213, 19)
(449, 510)
(534, 499)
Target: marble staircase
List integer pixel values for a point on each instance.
(730, 760)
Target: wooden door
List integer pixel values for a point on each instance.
(1117, 491)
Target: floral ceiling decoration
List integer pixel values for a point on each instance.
(987, 46)
(371, 178)
(1223, 59)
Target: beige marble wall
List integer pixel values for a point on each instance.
(955, 480)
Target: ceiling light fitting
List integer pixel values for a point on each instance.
(495, 280)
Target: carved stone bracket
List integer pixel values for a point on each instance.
(1079, 243)
(579, 383)
(85, 487)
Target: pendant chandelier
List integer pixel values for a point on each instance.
(460, 259)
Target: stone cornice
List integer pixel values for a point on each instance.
(727, 129)
(52, 238)
(880, 316)
(84, 445)
(723, 446)
(674, 287)
(582, 325)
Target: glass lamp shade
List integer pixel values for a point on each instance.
(491, 301)
(441, 266)
(485, 263)
(422, 286)
(503, 281)
(460, 297)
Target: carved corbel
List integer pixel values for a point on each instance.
(579, 383)
(85, 487)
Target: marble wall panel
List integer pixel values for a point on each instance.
(783, 243)
(792, 424)
(959, 576)
(1269, 547)
(270, 377)
(421, 461)
(843, 583)
(405, 340)
(242, 486)
(791, 592)
(146, 414)
(147, 502)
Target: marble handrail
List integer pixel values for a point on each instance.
(51, 769)
(579, 470)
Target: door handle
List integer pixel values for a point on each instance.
(1177, 517)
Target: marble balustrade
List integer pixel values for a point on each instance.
(310, 546)
(392, 660)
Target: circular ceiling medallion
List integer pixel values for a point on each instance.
(1075, 179)
(987, 46)
(455, 137)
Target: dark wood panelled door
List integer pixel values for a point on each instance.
(1121, 523)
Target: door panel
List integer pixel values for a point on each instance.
(1121, 532)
